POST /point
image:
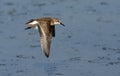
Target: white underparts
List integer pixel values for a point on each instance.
(36, 27)
(34, 23)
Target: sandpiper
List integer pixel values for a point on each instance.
(46, 29)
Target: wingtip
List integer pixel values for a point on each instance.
(47, 55)
(27, 28)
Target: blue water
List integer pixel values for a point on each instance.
(89, 45)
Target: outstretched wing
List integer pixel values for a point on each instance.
(46, 33)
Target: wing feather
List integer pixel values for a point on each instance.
(45, 36)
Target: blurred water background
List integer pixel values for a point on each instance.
(89, 45)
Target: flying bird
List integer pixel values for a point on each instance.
(46, 29)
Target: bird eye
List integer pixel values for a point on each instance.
(57, 21)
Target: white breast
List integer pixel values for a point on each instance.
(34, 23)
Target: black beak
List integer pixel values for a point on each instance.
(62, 24)
(27, 28)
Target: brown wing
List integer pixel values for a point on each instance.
(45, 36)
